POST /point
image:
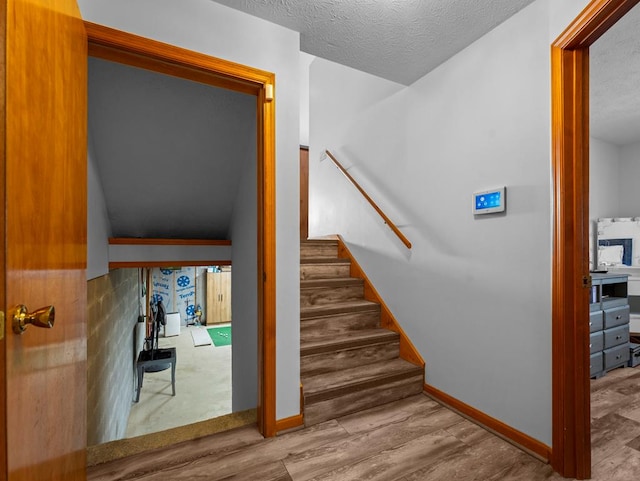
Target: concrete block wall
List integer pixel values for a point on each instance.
(112, 317)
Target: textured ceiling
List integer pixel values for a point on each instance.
(400, 40)
(615, 82)
(170, 152)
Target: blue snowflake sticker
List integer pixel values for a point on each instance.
(191, 310)
(183, 281)
(157, 298)
(166, 272)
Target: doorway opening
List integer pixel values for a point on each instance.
(198, 325)
(571, 454)
(112, 45)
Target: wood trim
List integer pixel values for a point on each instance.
(571, 454)
(4, 472)
(375, 206)
(117, 46)
(289, 423)
(167, 242)
(179, 263)
(267, 259)
(408, 351)
(518, 438)
(596, 18)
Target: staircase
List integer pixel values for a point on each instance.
(347, 361)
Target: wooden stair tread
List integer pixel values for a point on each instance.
(331, 282)
(324, 260)
(357, 338)
(333, 242)
(310, 312)
(332, 384)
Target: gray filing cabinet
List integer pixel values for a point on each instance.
(608, 323)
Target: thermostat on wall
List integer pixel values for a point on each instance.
(490, 201)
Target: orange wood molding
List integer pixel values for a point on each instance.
(408, 352)
(117, 46)
(571, 453)
(167, 242)
(520, 439)
(182, 263)
(289, 423)
(3, 304)
(129, 49)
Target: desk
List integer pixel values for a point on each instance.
(162, 358)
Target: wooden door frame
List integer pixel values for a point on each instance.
(3, 270)
(571, 453)
(129, 49)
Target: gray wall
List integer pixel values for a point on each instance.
(98, 227)
(244, 294)
(112, 317)
(629, 175)
(604, 179)
(604, 187)
(213, 29)
(474, 295)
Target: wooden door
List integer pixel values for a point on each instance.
(225, 296)
(43, 179)
(218, 297)
(304, 193)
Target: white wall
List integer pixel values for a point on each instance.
(98, 226)
(210, 28)
(305, 62)
(629, 175)
(474, 294)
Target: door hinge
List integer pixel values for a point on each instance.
(1, 325)
(586, 282)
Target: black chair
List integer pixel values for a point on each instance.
(152, 358)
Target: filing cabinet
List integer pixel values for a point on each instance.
(608, 323)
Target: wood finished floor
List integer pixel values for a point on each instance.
(409, 440)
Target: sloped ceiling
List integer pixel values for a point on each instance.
(400, 40)
(170, 152)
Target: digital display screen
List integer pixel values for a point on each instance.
(488, 201)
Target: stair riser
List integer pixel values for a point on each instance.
(319, 250)
(338, 324)
(363, 399)
(323, 271)
(347, 358)
(316, 296)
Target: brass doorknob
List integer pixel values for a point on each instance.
(43, 317)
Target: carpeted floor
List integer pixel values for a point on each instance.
(221, 336)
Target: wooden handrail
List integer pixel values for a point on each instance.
(387, 221)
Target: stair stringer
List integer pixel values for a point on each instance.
(408, 351)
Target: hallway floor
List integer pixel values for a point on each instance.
(414, 439)
(203, 387)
